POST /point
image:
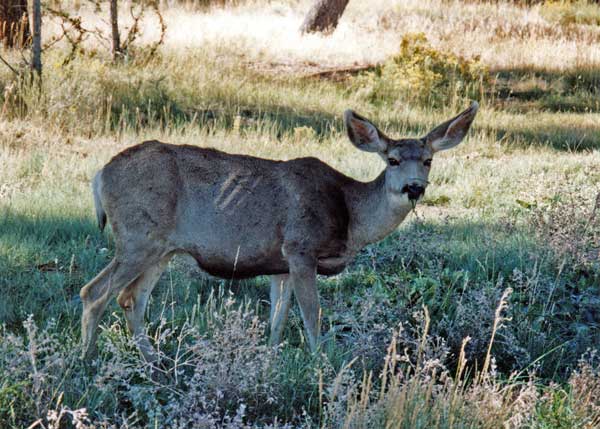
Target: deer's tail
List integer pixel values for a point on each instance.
(96, 189)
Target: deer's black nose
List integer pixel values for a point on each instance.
(414, 191)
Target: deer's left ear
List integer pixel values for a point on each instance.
(451, 133)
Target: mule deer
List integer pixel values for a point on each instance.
(241, 216)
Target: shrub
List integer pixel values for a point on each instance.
(226, 376)
(32, 371)
(419, 73)
(416, 390)
(570, 224)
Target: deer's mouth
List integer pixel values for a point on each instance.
(413, 191)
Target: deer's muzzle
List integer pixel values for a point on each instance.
(414, 191)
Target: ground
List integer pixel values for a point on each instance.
(481, 310)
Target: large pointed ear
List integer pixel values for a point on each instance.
(363, 134)
(451, 133)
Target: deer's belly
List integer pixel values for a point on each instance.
(229, 266)
(239, 267)
(332, 265)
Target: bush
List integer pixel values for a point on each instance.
(224, 377)
(421, 74)
(416, 390)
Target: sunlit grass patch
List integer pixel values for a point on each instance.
(583, 12)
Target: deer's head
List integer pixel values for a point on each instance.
(408, 161)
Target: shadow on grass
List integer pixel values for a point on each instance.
(534, 133)
(44, 261)
(167, 111)
(459, 269)
(39, 253)
(578, 78)
(574, 90)
(135, 108)
(562, 138)
(284, 120)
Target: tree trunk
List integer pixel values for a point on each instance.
(114, 25)
(324, 16)
(14, 28)
(35, 13)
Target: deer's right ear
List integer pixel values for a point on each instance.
(363, 134)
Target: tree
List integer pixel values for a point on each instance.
(324, 16)
(14, 27)
(35, 13)
(114, 25)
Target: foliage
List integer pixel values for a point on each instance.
(75, 33)
(421, 74)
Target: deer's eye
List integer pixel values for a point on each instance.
(393, 162)
(427, 163)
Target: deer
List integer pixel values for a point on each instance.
(240, 216)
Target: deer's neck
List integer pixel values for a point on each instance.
(373, 215)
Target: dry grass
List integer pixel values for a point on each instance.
(505, 35)
(502, 34)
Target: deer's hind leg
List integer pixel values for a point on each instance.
(134, 299)
(95, 296)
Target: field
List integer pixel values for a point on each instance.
(481, 311)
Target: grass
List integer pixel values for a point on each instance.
(572, 12)
(513, 207)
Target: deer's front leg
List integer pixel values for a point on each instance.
(281, 295)
(303, 280)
